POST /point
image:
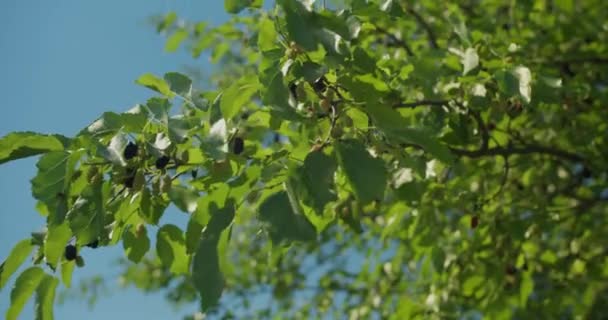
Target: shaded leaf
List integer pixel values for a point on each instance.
(284, 221)
(206, 273)
(184, 198)
(136, 243)
(171, 249)
(369, 184)
(49, 184)
(179, 83)
(316, 176)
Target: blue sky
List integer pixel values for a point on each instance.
(63, 63)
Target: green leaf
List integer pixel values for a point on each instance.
(507, 82)
(49, 185)
(18, 254)
(375, 83)
(171, 249)
(284, 220)
(133, 120)
(193, 234)
(470, 60)
(56, 239)
(45, 297)
(155, 83)
(159, 109)
(394, 125)
(426, 140)
(316, 176)
(525, 289)
(184, 198)
(206, 273)
(299, 24)
(67, 267)
(151, 208)
(275, 93)
(175, 40)
(18, 145)
(236, 6)
(24, 287)
(179, 83)
(368, 184)
(136, 243)
(237, 96)
(471, 284)
(267, 35)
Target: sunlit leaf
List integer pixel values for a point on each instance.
(19, 145)
(16, 257)
(45, 298)
(25, 285)
(159, 85)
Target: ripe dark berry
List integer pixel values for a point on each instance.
(510, 270)
(586, 173)
(93, 244)
(474, 222)
(130, 150)
(70, 252)
(129, 177)
(161, 162)
(238, 145)
(194, 173)
(320, 84)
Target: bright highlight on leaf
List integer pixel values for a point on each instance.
(150, 81)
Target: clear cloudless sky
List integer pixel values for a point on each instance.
(62, 64)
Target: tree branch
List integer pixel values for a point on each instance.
(398, 41)
(522, 150)
(435, 103)
(426, 27)
(484, 149)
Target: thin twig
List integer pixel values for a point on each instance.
(332, 125)
(414, 104)
(398, 41)
(527, 149)
(426, 27)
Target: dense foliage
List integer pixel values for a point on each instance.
(369, 159)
